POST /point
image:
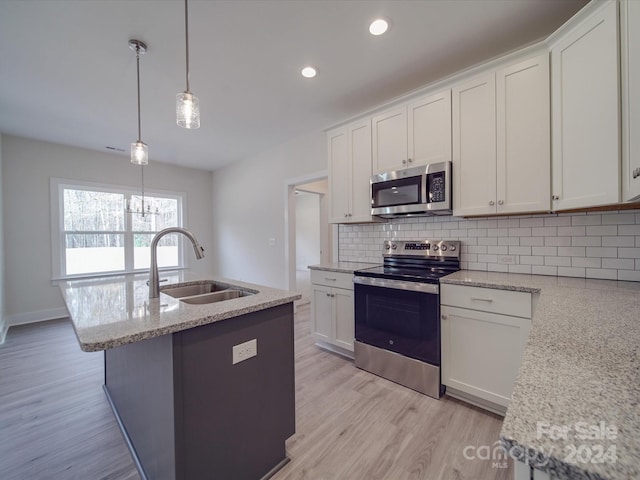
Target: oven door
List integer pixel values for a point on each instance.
(403, 317)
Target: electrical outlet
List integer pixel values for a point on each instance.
(244, 351)
(507, 259)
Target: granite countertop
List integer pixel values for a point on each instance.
(108, 312)
(343, 267)
(575, 408)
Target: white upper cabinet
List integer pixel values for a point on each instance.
(524, 137)
(413, 134)
(474, 146)
(390, 139)
(501, 140)
(585, 112)
(630, 35)
(429, 129)
(349, 150)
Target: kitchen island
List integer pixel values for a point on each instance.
(574, 412)
(190, 405)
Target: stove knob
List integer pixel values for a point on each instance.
(394, 246)
(435, 248)
(387, 246)
(443, 248)
(452, 248)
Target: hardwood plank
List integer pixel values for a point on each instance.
(350, 424)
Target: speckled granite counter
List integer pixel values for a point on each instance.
(343, 267)
(575, 408)
(112, 311)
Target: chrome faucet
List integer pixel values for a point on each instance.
(154, 282)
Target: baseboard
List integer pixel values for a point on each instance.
(4, 328)
(34, 317)
(478, 402)
(334, 349)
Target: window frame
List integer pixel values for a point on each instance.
(58, 233)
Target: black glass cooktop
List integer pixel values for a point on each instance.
(409, 274)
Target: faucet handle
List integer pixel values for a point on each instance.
(159, 281)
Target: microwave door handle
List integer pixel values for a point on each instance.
(424, 199)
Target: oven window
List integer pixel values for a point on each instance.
(405, 191)
(401, 321)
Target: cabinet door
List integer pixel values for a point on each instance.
(339, 175)
(321, 312)
(474, 146)
(524, 137)
(389, 132)
(630, 24)
(586, 156)
(429, 129)
(360, 158)
(344, 326)
(482, 352)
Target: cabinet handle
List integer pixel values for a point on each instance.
(409, 160)
(404, 162)
(328, 294)
(555, 197)
(492, 203)
(346, 215)
(350, 215)
(500, 202)
(444, 317)
(329, 278)
(482, 299)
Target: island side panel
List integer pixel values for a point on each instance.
(234, 419)
(139, 381)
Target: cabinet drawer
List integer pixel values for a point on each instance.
(332, 279)
(505, 302)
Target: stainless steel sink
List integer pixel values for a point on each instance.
(194, 289)
(214, 297)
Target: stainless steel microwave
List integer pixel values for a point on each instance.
(424, 190)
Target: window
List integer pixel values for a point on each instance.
(92, 233)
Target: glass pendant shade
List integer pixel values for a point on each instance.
(139, 153)
(187, 110)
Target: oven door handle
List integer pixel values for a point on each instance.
(398, 284)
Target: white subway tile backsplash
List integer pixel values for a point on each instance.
(610, 252)
(554, 221)
(544, 270)
(571, 231)
(628, 229)
(603, 245)
(586, 262)
(586, 220)
(619, 219)
(629, 252)
(618, 263)
(571, 272)
(586, 241)
(557, 241)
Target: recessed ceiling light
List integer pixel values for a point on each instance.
(309, 72)
(378, 27)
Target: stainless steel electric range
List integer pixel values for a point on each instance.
(397, 312)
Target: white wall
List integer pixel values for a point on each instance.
(27, 167)
(602, 245)
(3, 323)
(307, 230)
(249, 207)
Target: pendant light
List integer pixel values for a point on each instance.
(139, 149)
(187, 104)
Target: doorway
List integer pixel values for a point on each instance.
(308, 233)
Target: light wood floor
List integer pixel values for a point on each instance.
(55, 422)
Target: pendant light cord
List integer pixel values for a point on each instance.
(138, 70)
(186, 29)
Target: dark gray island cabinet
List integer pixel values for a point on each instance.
(187, 411)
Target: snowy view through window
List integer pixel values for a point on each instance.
(100, 237)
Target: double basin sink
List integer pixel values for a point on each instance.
(204, 292)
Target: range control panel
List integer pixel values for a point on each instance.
(422, 248)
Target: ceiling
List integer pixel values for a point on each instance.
(68, 76)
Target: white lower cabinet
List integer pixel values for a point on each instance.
(484, 333)
(332, 309)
